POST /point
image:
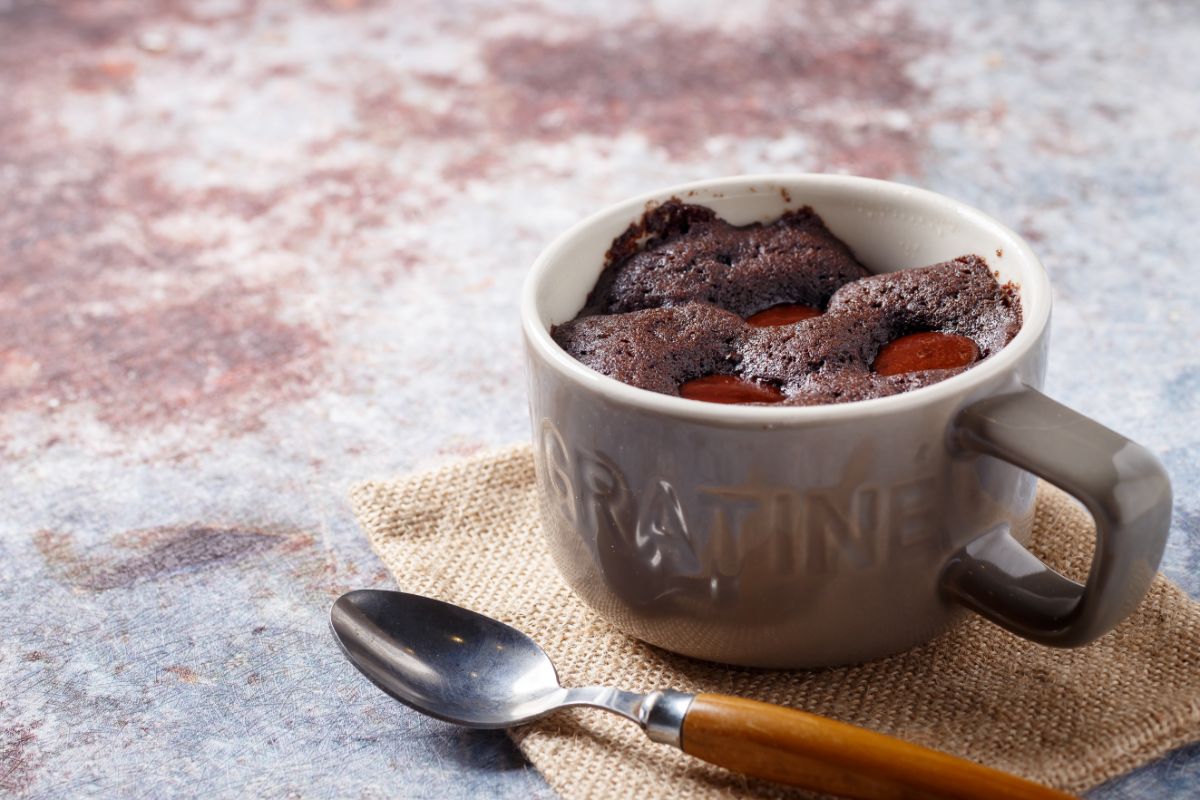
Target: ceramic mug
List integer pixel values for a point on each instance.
(810, 536)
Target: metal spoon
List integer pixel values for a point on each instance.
(465, 668)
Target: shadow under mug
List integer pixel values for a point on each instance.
(823, 535)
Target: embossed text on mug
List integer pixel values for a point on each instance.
(820, 530)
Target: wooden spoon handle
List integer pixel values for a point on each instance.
(792, 747)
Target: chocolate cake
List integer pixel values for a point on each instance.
(690, 305)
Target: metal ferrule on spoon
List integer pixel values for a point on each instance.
(660, 713)
(469, 669)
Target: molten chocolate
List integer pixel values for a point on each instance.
(729, 389)
(782, 314)
(923, 351)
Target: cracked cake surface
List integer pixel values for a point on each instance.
(671, 304)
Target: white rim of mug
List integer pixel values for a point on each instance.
(1035, 302)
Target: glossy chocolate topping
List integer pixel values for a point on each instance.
(729, 389)
(918, 352)
(782, 314)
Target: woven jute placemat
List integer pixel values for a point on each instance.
(469, 533)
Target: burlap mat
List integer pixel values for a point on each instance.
(469, 533)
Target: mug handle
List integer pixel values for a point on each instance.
(1120, 482)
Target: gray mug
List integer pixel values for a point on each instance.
(814, 536)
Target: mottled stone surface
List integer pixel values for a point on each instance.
(251, 252)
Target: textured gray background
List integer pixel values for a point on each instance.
(253, 252)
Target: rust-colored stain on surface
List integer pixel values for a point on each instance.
(159, 553)
(117, 290)
(220, 353)
(680, 87)
(807, 74)
(18, 758)
(98, 306)
(105, 75)
(184, 674)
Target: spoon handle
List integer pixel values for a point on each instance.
(800, 749)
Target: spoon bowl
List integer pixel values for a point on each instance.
(444, 660)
